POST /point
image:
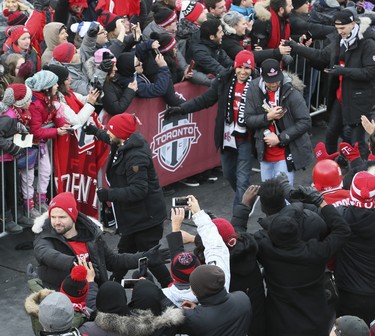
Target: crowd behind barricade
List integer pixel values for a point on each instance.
(69, 71)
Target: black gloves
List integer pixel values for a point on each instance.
(171, 111)
(106, 65)
(13, 149)
(90, 129)
(282, 178)
(41, 5)
(307, 195)
(102, 194)
(157, 256)
(93, 30)
(21, 128)
(336, 70)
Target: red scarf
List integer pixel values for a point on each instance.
(73, 101)
(276, 37)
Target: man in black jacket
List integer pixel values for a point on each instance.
(349, 60)
(135, 191)
(219, 313)
(64, 236)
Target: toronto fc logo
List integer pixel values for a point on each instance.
(171, 145)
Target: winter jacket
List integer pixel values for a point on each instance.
(82, 73)
(116, 99)
(210, 58)
(139, 323)
(310, 224)
(232, 46)
(358, 80)
(294, 125)
(32, 303)
(244, 269)
(135, 191)
(296, 302)
(217, 93)
(323, 10)
(56, 257)
(246, 12)
(39, 117)
(8, 127)
(355, 264)
(299, 25)
(224, 314)
(186, 34)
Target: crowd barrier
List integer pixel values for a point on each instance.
(183, 146)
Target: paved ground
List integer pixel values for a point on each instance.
(216, 197)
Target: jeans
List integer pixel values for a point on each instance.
(269, 170)
(237, 166)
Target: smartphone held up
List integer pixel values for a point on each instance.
(181, 202)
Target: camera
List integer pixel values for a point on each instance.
(181, 202)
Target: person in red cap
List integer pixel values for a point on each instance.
(232, 136)
(65, 236)
(134, 190)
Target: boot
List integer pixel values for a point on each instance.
(23, 220)
(10, 226)
(42, 205)
(30, 209)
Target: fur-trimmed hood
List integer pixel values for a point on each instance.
(40, 221)
(33, 301)
(364, 31)
(228, 30)
(140, 323)
(262, 10)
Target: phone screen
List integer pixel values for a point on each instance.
(142, 266)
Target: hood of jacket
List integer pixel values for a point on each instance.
(51, 34)
(246, 244)
(33, 301)
(185, 29)
(228, 30)
(140, 323)
(365, 31)
(262, 10)
(361, 221)
(83, 224)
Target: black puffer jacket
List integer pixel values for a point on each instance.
(358, 80)
(134, 186)
(56, 257)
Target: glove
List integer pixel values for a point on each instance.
(21, 128)
(307, 195)
(282, 178)
(157, 256)
(321, 152)
(90, 129)
(102, 194)
(336, 70)
(13, 149)
(93, 30)
(26, 70)
(351, 153)
(171, 111)
(106, 65)
(41, 5)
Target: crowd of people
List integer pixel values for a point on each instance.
(69, 71)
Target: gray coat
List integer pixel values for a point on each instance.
(296, 121)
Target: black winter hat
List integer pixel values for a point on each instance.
(167, 41)
(298, 3)
(343, 17)
(60, 71)
(111, 298)
(163, 16)
(183, 265)
(207, 280)
(283, 231)
(125, 64)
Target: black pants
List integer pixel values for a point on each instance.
(362, 306)
(142, 241)
(8, 186)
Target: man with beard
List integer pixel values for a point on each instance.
(64, 236)
(134, 190)
(271, 24)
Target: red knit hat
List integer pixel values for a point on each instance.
(122, 125)
(362, 190)
(192, 10)
(244, 58)
(75, 285)
(182, 265)
(108, 20)
(17, 33)
(17, 95)
(65, 201)
(82, 3)
(226, 231)
(15, 18)
(64, 52)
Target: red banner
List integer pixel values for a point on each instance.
(181, 147)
